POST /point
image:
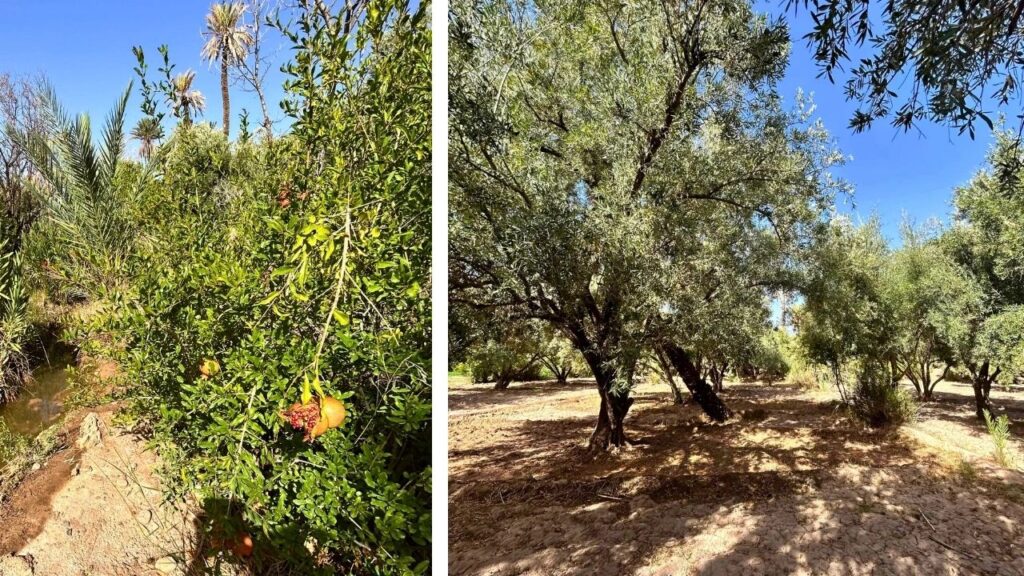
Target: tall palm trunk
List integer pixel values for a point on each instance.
(224, 93)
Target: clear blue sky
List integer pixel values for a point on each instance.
(85, 48)
(893, 172)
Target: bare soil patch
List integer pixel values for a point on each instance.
(96, 509)
(790, 486)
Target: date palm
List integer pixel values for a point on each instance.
(184, 100)
(227, 41)
(83, 205)
(148, 132)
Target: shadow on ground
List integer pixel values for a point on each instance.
(790, 486)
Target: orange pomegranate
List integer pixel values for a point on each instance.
(243, 545)
(209, 368)
(316, 417)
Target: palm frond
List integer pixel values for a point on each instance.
(113, 136)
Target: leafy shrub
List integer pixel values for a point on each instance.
(298, 267)
(999, 431)
(505, 362)
(769, 360)
(876, 402)
(805, 378)
(12, 445)
(14, 325)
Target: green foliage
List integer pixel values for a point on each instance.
(999, 431)
(877, 402)
(561, 358)
(771, 361)
(14, 324)
(502, 350)
(301, 267)
(505, 361)
(844, 318)
(987, 236)
(934, 304)
(85, 210)
(940, 60)
(1001, 340)
(12, 446)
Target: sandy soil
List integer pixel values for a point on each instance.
(95, 509)
(788, 487)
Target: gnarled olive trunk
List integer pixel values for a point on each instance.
(701, 391)
(614, 406)
(981, 380)
(665, 367)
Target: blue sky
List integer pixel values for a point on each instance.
(85, 48)
(893, 172)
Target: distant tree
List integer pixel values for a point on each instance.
(149, 129)
(741, 320)
(941, 60)
(560, 357)
(933, 302)
(184, 100)
(768, 357)
(20, 110)
(658, 362)
(508, 352)
(844, 318)
(227, 42)
(148, 132)
(253, 69)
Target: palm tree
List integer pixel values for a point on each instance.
(227, 41)
(76, 183)
(185, 100)
(148, 132)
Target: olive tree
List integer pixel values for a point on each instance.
(944, 60)
(622, 171)
(844, 318)
(985, 240)
(933, 302)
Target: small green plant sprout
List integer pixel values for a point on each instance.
(999, 430)
(966, 470)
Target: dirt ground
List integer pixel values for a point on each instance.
(95, 509)
(789, 486)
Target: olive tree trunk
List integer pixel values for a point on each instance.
(981, 381)
(614, 404)
(702, 392)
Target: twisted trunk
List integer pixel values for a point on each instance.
(614, 406)
(981, 381)
(701, 391)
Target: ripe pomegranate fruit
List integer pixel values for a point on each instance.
(243, 545)
(209, 368)
(316, 417)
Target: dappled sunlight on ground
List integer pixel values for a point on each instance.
(789, 486)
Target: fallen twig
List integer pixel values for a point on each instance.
(925, 517)
(948, 547)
